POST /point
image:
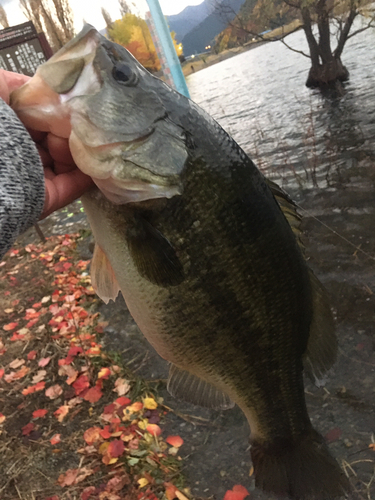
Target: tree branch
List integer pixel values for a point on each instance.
(291, 48)
(369, 25)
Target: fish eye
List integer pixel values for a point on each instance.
(123, 73)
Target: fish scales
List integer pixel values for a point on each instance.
(196, 239)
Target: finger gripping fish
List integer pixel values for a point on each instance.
(205, 251)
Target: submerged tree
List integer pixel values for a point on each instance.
(322, 21)
(3, 17)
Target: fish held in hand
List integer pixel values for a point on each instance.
(205, 251)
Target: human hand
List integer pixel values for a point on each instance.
(64, 182)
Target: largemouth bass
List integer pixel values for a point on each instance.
(205, 251)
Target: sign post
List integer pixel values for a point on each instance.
(22, 49)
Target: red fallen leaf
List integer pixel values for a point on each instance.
(16, 337)
(31, 355)
(109, 409)
(34, 388)
(27, 429)
(37, 305)
(55, 439)
(92, 435)
(81, 384)
(116, 448)
(153, 429)
(88, 492)
(40, 413)
(1, 372)
(54, 391)
(123, 401)
(93, 395)
(74, 351)
(61, 412)
(2, 418)
(170, 491)
(237, 493)
(105, 433)
(44, 362)
(175, 441)
(333, 435)
(10, 326)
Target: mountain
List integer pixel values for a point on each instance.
(202, 34)
(189, 18)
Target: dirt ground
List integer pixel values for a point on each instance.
(216, 450)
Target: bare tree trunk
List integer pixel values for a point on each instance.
(3, 17)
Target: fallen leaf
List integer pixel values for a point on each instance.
(2, 418)
(237, 493)
(10, 326)
(150, 403)
(123, 401)
(116, 448)
(39, 376)
(142, 482)
(175, 441)
(40, 413)
(16, 363)
(88, 492)
(32, 355)
(61, 412)
(92, 435)
(104, 373)
(153, 429)
(93, 395)
(2, 371)
(54, 391)
(34, 388)
(44, 362)
(27, 429)
(333, 435)
(55, 439)
(81, 384)
(122, 386)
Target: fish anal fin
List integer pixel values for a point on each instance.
(103, 278)
(192, 389)
(321, 349)
(153, 255)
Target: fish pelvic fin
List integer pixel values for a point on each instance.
(103, 277)
(192, 389)
(302, 469)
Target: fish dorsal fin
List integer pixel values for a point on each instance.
(153, 255)
(192, 389)
(289, 210)
(103, 277)
(321, 349)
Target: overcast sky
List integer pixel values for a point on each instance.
(92, 13)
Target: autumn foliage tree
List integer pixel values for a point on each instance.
(54, 17)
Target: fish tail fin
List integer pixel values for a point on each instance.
(301, 470)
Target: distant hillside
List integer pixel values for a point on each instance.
(202, 35)
(189, 18)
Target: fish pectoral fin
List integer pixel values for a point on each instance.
(192, 389)
(321, 351)
(103, 277)
(153, 255)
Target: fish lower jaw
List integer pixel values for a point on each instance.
(121, 193)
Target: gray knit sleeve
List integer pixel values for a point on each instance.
(21, 179)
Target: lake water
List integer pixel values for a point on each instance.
(293, 133)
